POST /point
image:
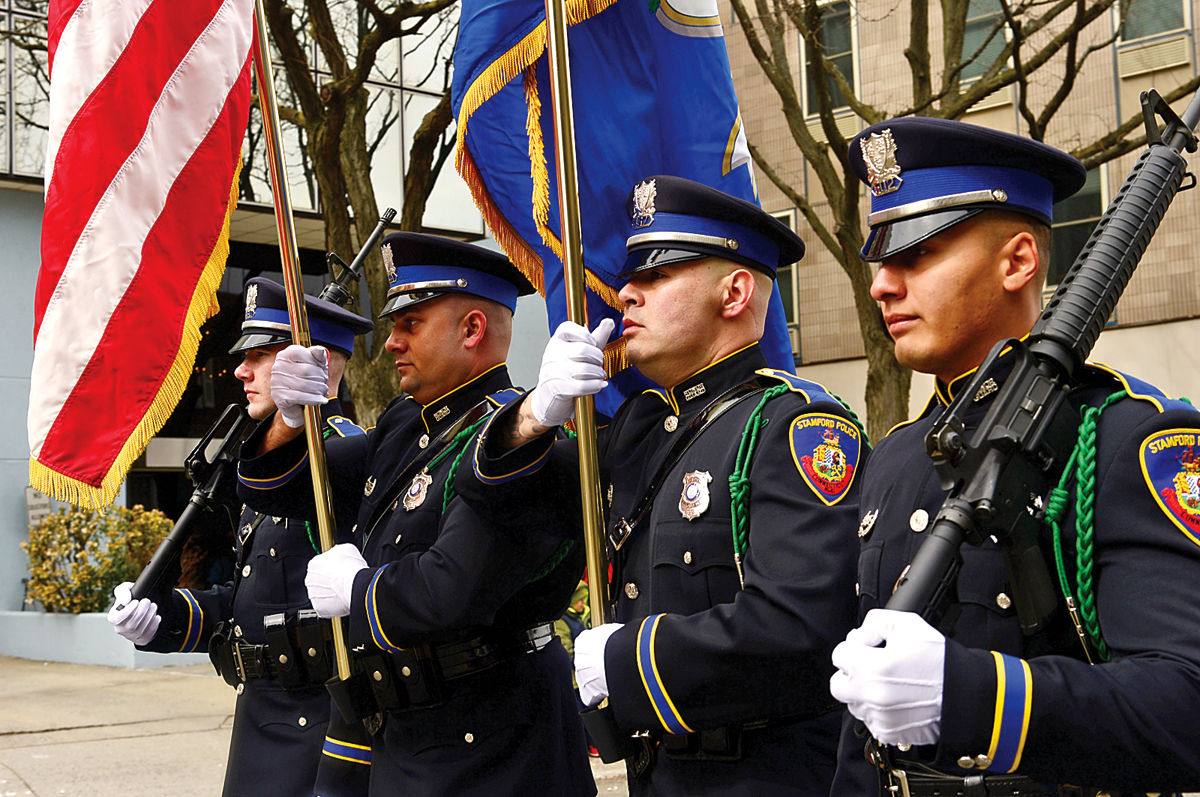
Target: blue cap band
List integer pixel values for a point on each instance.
(750, 245)
(1027, 192)
(479, 283)
(321, 331)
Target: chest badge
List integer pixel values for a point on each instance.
(369, 486)
(694, 500)
(867, 523)
(415, 495)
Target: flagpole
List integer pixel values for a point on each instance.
(289, 256)
(572, 245)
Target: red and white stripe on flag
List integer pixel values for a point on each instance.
(149, 101)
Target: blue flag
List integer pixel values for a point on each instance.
(652, 94)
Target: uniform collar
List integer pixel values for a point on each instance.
(695, 392)
(947, 393)
(442, 412)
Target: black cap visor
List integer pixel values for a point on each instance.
(403, 301)
(645, 259)
(892, 238)
(259, 340)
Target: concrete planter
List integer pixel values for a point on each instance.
(78, 639)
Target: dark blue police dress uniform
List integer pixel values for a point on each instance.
(452, 622)
(1033, 705)
(281, 737)
(731, 679)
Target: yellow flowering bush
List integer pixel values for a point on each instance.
(77, 556)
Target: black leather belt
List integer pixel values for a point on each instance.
(251, 661)
(464, 658)
(919, 781)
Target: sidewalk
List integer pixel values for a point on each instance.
(88, 731)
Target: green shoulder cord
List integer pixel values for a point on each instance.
(308, 528)
(1082, 464)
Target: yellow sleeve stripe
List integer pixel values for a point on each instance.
(1014, 704)
(664, 707)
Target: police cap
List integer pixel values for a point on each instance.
(926, 175)
(676, 220)
(266, 320)
(421, 267)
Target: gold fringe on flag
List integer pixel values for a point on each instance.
(202, 307)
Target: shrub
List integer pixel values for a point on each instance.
(77, 556)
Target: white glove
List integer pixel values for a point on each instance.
(589, 662)
(299, 377)
(890, 676)
(572, 366)
(330, 579)
(138, 620)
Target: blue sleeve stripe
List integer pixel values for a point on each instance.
(532, 467)
(191, 639)
(345, 751)
(276, 481)
(377, 636)
(668, 715)
(1014, 699)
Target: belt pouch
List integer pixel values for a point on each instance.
(285, 658)
(610, 742)
(354, 697)
(312, 643)
(221, 654)
(418, 675)
(377, 670)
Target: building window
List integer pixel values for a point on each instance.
(836, 38)
(1074, 219)
(1151, 17)
(983, 38)
(24, 107)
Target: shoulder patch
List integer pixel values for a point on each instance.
(1171, 465)
(826, 451)
(344, 426)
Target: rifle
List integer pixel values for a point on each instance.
(997, 475)
(211, 478)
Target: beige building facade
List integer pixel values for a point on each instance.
(1155, 331)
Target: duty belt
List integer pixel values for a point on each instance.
(911, 779)
(297, 654)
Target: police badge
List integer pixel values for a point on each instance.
(415, 496)
(251, 300)
(643, 204)
(879, 154)
(694, 499)
(388, 263)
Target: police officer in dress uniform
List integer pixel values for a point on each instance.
(258, 628)
(732, 496)
(450, 615)
(959, 227)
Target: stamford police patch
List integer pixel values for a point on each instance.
(826, 451)
(1171, 465)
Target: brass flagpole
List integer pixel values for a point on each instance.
(289, 256)
(572, 244)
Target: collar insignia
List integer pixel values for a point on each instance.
(879, 153)
(694, 391)
(251, 300)
(643, 204)
(441, 413)
(694, 499)
(986, 389)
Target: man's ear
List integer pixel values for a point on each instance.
(474, 326)
(1021, 261)
(737, 289)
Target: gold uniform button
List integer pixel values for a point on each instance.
(424, 441)
(632, 591)
(966, 762)
(246, 571)
(687, 557)
(302, 721)
(468, 738)
(283, 659)
(1003, 601)
(240, 688)
(982, 761)
(406, 671)
(272, 553)
(377, 675)
(919, 521)
(671, 423)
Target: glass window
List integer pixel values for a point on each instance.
(427, 52)
(388, 151)
(1074, 219)
(5, 46)
(30, 96)
(983, 30)
(1150, 17)
(835, 36)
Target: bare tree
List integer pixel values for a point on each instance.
(1050, 39)
(340, 130)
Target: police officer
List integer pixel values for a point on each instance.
(283, 740)
(959, 222)
(450, 615)
(732, 502)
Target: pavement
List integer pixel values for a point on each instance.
(92, 731)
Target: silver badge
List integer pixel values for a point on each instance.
(867, 523)
(643, 204)
(694, 499)
(387, 262)
(415, 496)
(369, 487)
(251, 300)
(879, 154)
(441, 413)
(694, 391)
(986, 389)
(670, 423)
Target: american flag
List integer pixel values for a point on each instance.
(149, 101)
